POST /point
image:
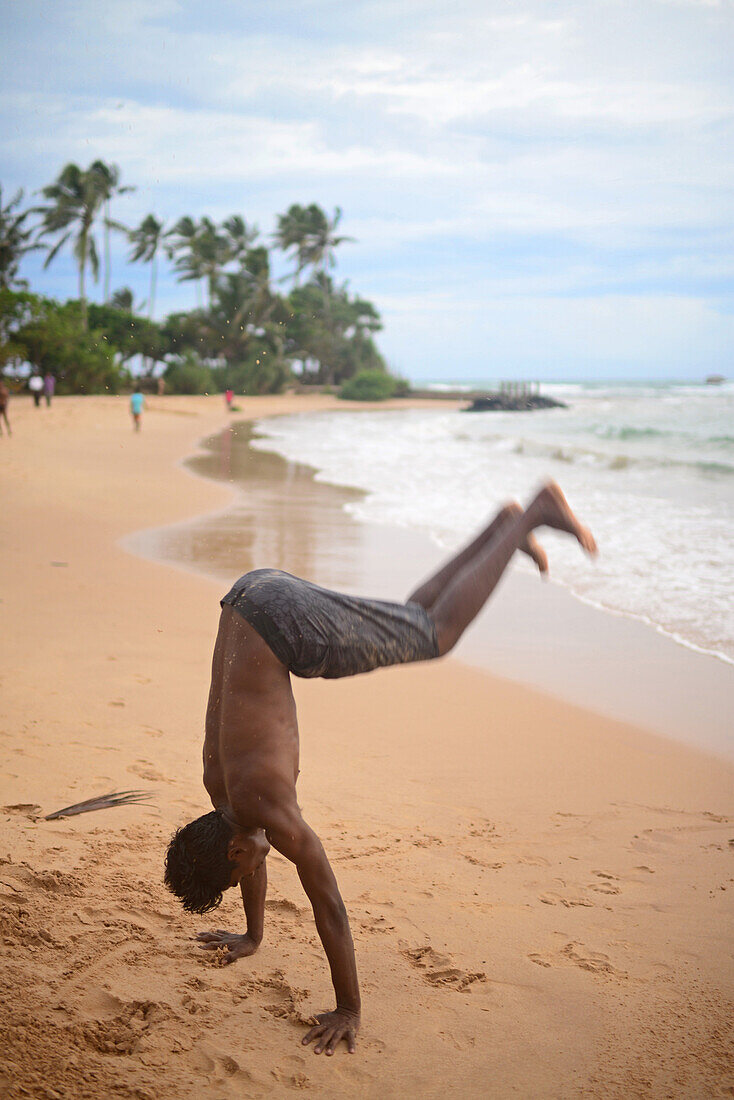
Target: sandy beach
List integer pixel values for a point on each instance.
(541, 897)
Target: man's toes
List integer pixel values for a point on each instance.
(587, 540)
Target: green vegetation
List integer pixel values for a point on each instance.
(188, 374)
(369, 385)
(52, 337)
(16, 239)
(244, 334)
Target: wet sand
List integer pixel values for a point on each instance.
(541, 898)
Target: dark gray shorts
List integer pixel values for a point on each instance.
(316, 632)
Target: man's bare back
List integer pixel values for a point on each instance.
(251, 745)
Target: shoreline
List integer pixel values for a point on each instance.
(534, 636)
(520, 875)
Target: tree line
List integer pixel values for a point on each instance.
(244, 333)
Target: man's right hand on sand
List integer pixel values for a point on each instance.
(237, 946)
(331, 1028)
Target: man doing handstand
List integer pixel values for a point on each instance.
(272, 625)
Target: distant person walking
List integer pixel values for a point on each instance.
(228, 397)
(35, 385)
(49, 387)
(4, 399)
(137, 403)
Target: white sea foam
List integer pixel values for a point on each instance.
(649, 468)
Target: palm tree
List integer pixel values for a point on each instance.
(291, 235)
(183, 253)
(310, 236)
(321, 240)
(146, 241)
(75, 200)
(201, 251)
(214, 252)
(109, 183)
(240, 237)
(242, 306)
(15, 240)
(123, 299)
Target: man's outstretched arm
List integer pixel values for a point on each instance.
(254, 887)
(291, 836)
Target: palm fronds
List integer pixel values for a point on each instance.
(101, 802)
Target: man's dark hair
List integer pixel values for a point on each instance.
(198, 869)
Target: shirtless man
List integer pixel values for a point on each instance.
(273, 625)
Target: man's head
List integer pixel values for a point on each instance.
(209, 855)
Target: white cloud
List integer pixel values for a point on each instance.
(450, 96)
(441, 132)
(543, 337)
(166, 144)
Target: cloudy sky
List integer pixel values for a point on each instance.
(537, 189)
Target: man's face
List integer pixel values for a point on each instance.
(246, 851)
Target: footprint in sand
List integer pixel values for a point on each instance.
(121, 1034)
(477, 862)
(194, 1005)
(596, 962)
(50, 880)
(570, 903)
(607, 885)
(293, 1080)
(483, 829)
(284, 907)
(150, 920)
(375, 924)
(30, 810)
(288, 1000)
(145, 770)
(426, 841)
(219, 1067)
(436, 969)
(373, 851)
(534, 861)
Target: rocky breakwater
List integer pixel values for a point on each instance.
(512, 402)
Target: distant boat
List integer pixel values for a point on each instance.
(715, 379)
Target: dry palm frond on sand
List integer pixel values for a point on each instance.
(101, 802)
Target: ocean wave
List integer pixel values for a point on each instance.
(661, 512)
(577, 454)
(626, 432)
(616, 431)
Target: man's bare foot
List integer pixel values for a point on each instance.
(534, 550)
(551, 509)
(530, 546)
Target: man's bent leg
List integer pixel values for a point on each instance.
(428, 592)
(471, 585)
